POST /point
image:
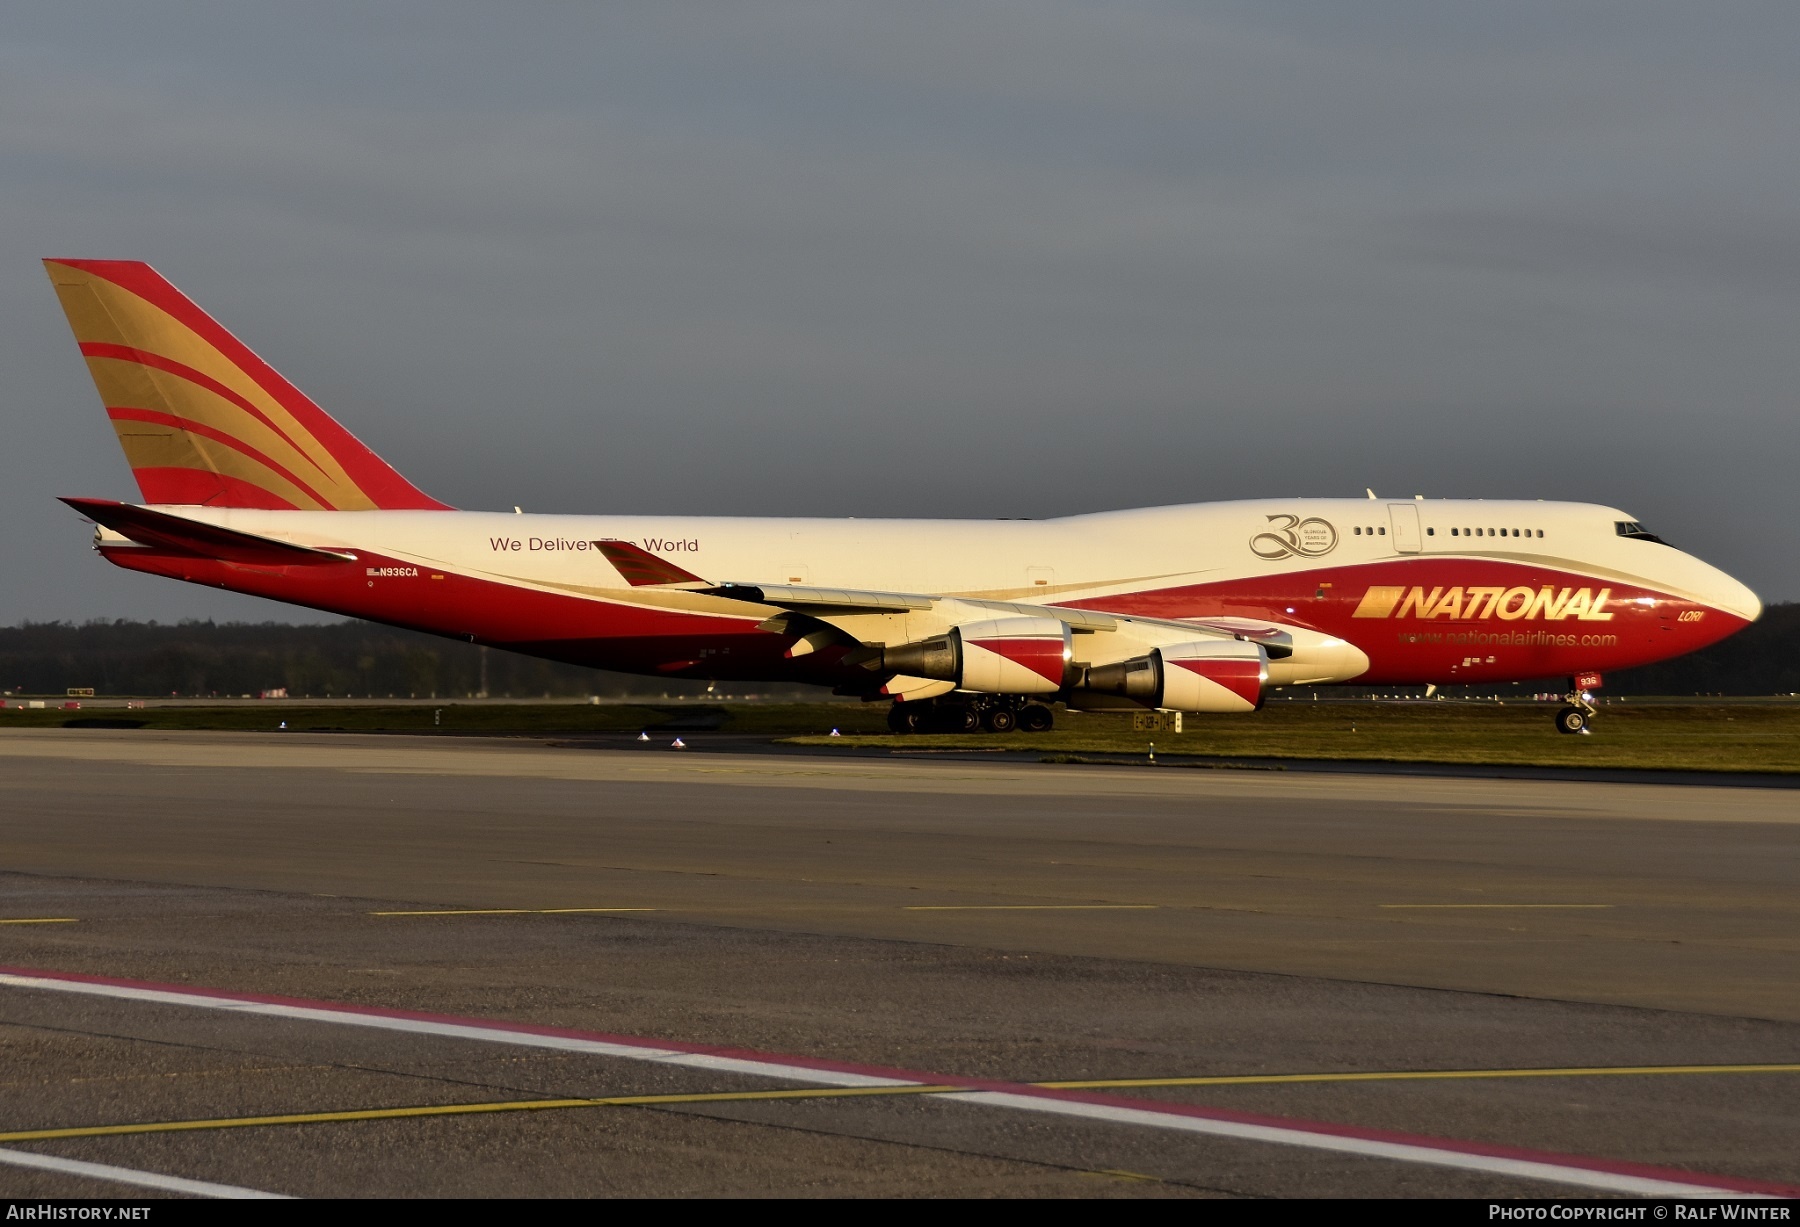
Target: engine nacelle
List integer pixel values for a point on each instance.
(1213, 675)
(998, 656)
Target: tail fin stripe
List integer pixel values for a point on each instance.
(171, 301)
(157, 418)
(125, 353)
(385, 487)
(202, 345)
(190, 487)
(126, 313)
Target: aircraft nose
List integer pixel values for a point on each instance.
(1724, 593)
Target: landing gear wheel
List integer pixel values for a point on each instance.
(1571, 720)
(999, 720)
(1036, 718)
(948, 718)
(903, 718)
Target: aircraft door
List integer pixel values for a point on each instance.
(1408, 538)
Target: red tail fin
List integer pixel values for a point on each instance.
(202, 418)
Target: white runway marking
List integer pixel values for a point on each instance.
(1528, 1169)
(1599, 1174)
(463, 1031)
(128, 1175)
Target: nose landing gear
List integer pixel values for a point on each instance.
(1573, 718)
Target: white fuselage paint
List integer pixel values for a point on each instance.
(1071, 558)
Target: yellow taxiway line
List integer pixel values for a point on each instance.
(1503, 906)
(1423, 1075)
(1031, 907)
(517, 911)
(640, 1101)
(42, 920)
(461, 1109)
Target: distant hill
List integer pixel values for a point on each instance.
(360, 658)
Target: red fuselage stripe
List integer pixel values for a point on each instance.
(611, 634)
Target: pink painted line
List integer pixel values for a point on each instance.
(1610, 1174)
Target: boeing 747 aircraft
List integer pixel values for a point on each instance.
(248, 485)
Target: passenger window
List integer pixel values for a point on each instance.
(1453, 532)
(1357, 530)
(1540, 532)
(1382, 531)
(1431, 532)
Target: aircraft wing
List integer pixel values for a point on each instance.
(825, 601)
(822, 600)
(163, 531)
(641, 568)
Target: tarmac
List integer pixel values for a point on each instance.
(329, 965)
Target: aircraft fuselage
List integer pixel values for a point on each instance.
(1446, 591)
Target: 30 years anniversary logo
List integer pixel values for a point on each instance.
(1290, 536)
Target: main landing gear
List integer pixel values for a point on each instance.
(1573, 718)
(999, 713)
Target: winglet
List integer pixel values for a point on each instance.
(642, 569)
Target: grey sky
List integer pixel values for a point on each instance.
(907, 259)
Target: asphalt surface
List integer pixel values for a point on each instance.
(1014, 922)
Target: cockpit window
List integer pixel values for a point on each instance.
(1636, 531)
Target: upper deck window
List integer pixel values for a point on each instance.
(1636, 531)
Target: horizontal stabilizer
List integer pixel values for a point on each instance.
(169, 532)
(642, 569)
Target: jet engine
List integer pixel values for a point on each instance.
(1214, 675)
(998, 656)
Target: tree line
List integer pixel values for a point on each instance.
(333, 660)
(358, 659)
